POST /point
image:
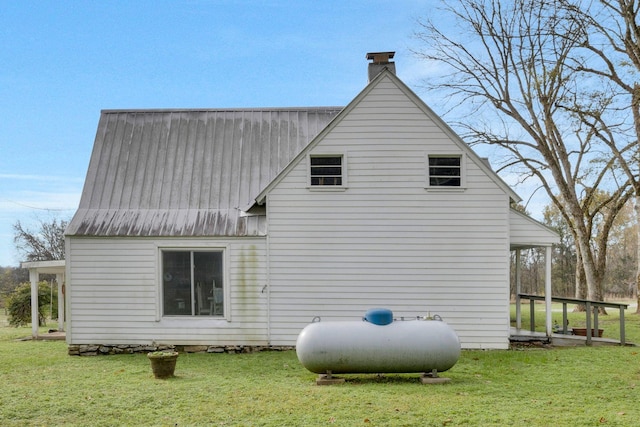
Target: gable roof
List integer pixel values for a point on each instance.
(387, 74)
(194, 172)
(188, 172)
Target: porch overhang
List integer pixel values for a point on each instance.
(526, 233)
(45, 267)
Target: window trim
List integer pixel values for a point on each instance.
(456, 188)
(189, 247)
(343, 165)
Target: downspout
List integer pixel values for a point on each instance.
(518, 290)
(268, 266)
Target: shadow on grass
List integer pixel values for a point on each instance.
(387, 379)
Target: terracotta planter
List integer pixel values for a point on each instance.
(163, 363)
(583, 332)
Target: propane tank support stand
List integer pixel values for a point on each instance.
(433, 378)
(328, 379)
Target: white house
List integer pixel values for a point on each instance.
(238, 227)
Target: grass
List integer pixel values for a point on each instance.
(42, 386)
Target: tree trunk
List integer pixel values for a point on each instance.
(635, 108)
(637, 209)
(588, 264)
(583, 290)
(581, 286)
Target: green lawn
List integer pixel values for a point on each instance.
(43, 386)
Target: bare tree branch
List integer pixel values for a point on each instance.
(519, 63)
(44, 244)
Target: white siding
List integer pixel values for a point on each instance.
(113, 289)
(387, 240)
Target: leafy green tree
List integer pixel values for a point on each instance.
(10, 278)
(19, 304)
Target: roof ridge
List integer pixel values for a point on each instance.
(222, 110)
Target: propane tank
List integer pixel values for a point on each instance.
(378, 344)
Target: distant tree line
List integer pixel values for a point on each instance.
(10, 278)
(619, 276)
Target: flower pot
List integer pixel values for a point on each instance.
(583, 332)
(163, 363)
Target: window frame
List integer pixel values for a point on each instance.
(461, 176)
(226, 302)
(325, 187)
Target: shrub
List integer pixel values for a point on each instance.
(19, 304)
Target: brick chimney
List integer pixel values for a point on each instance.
(380, 61)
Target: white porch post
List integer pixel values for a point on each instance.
(518, 290)
(33, 278)
(60, 281)
(547, 290)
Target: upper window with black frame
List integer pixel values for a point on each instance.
(445, 171)
(326, 170)
(192, 283)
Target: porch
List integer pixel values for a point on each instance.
(46, 267)
(525, 336)
(562, 335)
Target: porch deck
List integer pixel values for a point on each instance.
(559, 340)
(591, 314)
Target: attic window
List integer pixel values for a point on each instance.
(326, 170)
(445, 171)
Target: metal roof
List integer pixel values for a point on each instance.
(188, 172)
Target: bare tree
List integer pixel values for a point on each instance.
(505, 61)
(564, 253)
(44, 244)
(611, 36)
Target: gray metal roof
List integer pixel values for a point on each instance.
(188, 172)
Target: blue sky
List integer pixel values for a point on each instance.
(64, 61)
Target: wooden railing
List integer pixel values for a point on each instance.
(589, 309)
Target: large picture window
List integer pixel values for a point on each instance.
(192, 283)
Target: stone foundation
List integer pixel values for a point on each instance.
(108, 349)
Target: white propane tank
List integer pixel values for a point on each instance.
(404, 346)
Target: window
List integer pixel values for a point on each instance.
(192, 283)
(326, 170)
(445, 171)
